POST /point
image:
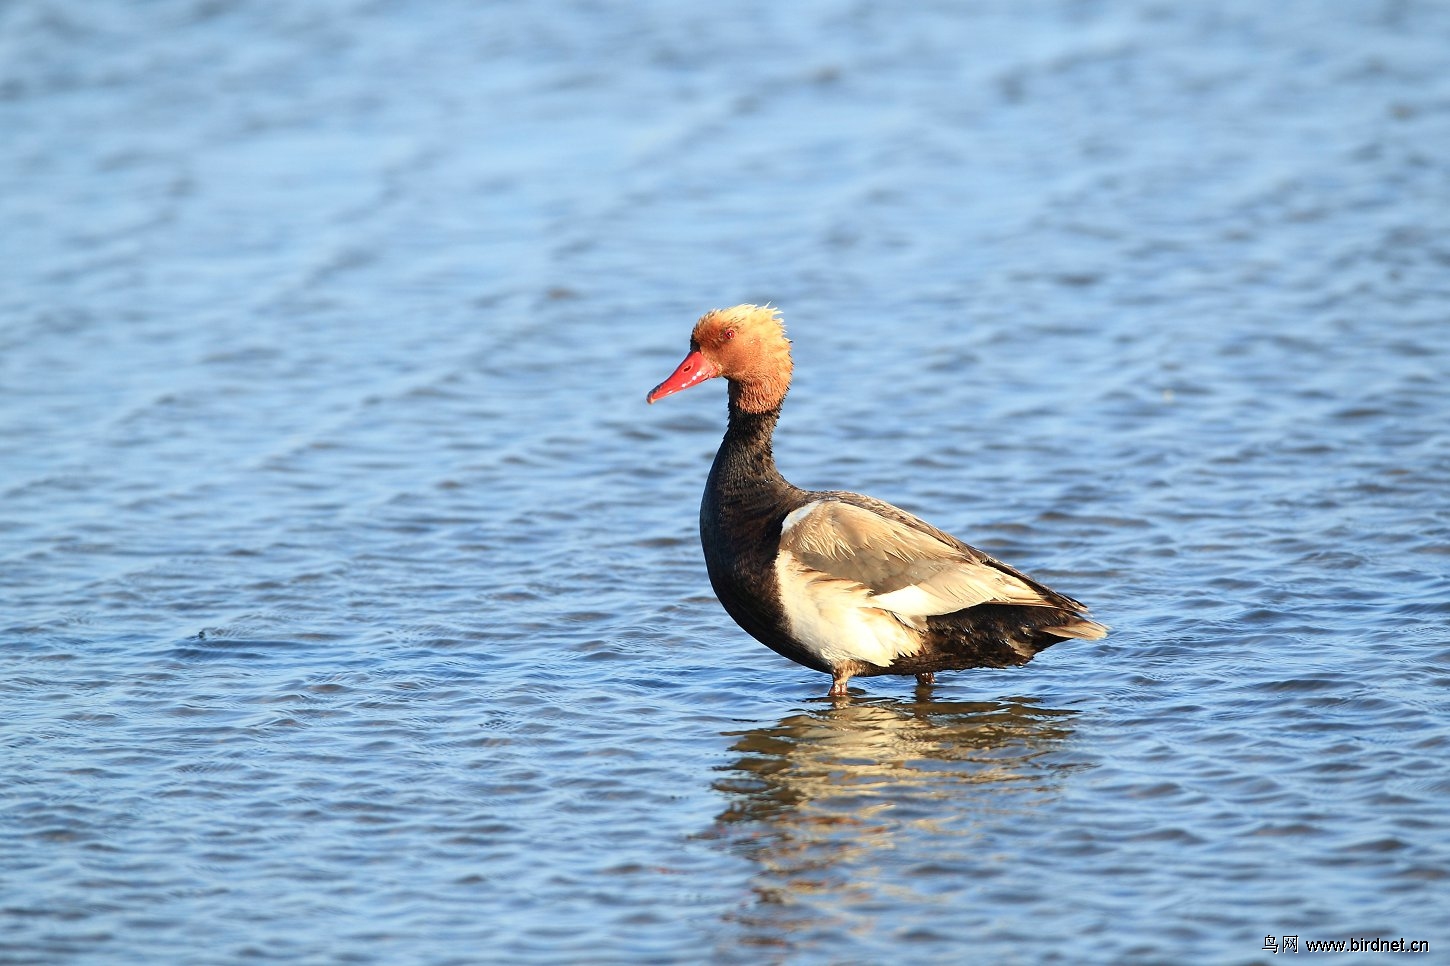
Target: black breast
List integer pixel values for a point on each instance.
(745, 502)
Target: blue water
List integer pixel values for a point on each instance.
(350, 596)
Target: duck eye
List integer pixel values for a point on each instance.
(729, 334)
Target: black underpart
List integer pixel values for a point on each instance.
(981, 636)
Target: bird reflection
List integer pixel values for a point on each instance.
(854, 808)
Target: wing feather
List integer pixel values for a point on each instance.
(907, 569)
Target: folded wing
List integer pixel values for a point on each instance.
(905, 566)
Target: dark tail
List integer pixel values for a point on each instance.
(1004, 635)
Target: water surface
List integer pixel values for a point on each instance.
(350, 596)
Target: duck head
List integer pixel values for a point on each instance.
(745, 344)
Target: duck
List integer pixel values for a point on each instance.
(836, 581)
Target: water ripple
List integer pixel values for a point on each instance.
(352, 596)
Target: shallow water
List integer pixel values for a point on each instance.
(350, 595)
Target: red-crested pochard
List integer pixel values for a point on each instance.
(834, 580)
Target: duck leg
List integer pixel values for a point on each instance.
(840, 678)
(925, 680)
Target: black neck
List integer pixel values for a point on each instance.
(745, 459)
(741, 513)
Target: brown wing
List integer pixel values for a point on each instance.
(906, 569)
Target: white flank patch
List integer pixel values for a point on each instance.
(837, 620)
(913, 601)
(795, 516)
